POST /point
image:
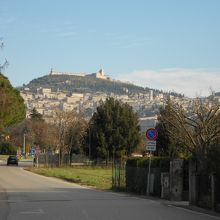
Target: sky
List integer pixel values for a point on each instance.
(170, 45)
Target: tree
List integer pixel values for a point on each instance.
(7, 148)
(36, 115)
(40, 131)
(196, 129)
(71, 130)
(37, 133)
(114, 129)
(12, 104)
(167, 143)
(16, 132)
(75, 137)
(5, 64)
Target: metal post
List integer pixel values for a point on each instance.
(37, 162)
(148, 176)
(24, 146)
(113, 169)
(89, 144)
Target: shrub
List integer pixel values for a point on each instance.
(6, 148)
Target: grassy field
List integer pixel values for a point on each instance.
(97, 177)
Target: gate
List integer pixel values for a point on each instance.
(217, 192)
(204, 190)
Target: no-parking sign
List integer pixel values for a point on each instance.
(151, 134)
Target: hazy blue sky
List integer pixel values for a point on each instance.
(162, 44)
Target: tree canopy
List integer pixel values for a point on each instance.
(113, 129)
(12, 104)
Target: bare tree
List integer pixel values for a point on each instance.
(5, 63)
(196, 128)
(71, 131)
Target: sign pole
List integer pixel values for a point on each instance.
(37, 162)
(151, 135)
(148, 176)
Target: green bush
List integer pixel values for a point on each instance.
(6, 148)
(156, 162)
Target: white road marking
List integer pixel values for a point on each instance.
(39, 211)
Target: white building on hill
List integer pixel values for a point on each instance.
(52, 72)
(100, 74)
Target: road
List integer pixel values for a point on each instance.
(24, 195)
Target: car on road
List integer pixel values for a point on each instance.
(13, 160)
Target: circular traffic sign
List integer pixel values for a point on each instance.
(151, 134)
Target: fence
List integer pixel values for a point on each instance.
(53, 160)
(137, 180)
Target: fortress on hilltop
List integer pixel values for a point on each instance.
(59, 73)
(100, 74)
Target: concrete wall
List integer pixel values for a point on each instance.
(176, 179)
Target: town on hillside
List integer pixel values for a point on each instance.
(146, 104)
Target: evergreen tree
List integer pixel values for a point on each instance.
(114, 130)
(12, 104)
(35, 115)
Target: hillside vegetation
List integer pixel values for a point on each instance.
(87, 84)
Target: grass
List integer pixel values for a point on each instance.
(3, 157)
(97, 177)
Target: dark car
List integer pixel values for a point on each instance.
(12, 160)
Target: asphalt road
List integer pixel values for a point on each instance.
(24, 195)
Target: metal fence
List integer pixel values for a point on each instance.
(137, 180)
(54, 160)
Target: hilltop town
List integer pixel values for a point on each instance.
(50, 98)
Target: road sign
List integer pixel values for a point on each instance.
(151, 134)
(37, 151)
(151, 145)
(33, 151)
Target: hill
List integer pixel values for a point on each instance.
(86, 84)
(82, 84)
